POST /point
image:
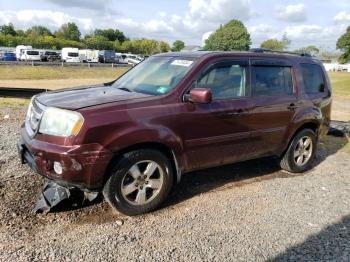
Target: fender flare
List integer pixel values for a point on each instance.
(311, 116)
(131, 138)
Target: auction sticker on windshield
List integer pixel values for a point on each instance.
(186, 63)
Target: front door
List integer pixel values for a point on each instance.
(218, 132)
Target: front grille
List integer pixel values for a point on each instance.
(33, 117)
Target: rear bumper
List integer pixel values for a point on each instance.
(324, 128)
(83, 165)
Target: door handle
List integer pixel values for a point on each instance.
(236, 113)
(292, 106)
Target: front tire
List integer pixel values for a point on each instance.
(139, 182)
(301, 152)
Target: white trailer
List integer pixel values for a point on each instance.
(30, 55)
(20, 50)
(88, 55)
(70, 54)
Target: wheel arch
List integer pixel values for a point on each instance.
(166, 150)
(307, 124)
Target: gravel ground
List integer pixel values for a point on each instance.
(250, 211)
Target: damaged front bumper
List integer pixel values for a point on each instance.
(52, 194)
(82, 166)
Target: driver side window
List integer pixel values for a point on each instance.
(226, 81)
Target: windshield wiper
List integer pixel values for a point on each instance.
(124, 89)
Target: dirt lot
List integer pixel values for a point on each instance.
(250, 211)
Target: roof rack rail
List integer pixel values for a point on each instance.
(264, 50)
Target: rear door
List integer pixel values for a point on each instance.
(274, 102)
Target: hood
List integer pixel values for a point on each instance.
(85, 96)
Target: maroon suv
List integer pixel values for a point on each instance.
(133, 138)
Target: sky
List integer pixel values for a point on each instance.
(305, 22)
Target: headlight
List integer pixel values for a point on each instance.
(60, 122)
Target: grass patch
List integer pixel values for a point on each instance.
(51, 72)
(340, 83)
(13, 102)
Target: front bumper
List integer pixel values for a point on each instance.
(84, 165)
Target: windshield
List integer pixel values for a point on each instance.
(155, 76)
(32, 53)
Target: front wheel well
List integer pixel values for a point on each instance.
(148, 145)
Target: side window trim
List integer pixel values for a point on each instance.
(270, 62)
(226, 61)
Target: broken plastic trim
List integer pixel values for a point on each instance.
(52, 194)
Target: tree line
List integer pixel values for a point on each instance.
(231, 36)
(69, 35)
(234, 36)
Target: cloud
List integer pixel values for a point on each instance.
(206, 36)
(53, 20)
(201, 16)
(291, 13)
(300, 35)
(303, 31)
(97, 5)
(342, 18)
(219, 11)
(324, 36)
(261, 32)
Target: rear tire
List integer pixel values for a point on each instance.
(139, 182)
(301, 152)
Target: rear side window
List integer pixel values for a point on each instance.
(271, 81)
(312, 78)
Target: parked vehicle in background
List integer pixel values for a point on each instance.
(132, 59)
(118, 58)
(8, 56)
(70, 55)
(106, 56)
(30, 55)
(121, 58)
(133, 138)
(50, 56)
(20, 50)
(88, 55)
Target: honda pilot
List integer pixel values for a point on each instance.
(134, 138)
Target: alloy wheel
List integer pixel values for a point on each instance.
(142, 183)
(303, 151)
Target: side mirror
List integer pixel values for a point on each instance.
(199, 95)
